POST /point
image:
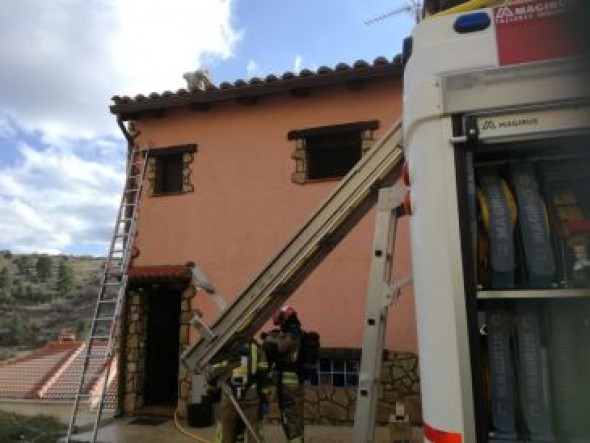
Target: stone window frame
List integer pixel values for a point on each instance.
(157, 153)
(299, 136)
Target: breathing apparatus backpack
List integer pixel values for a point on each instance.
(309, 352)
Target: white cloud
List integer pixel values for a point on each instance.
(252, 69)
(62, 158)
(68, 57)
(54, 199)
(297, 63)
(7, 129)
(162, 40)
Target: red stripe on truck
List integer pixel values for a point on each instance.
(438, 436)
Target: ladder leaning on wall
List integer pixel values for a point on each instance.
(103, 335)
(382, 292)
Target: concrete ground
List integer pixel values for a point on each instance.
(154, 430)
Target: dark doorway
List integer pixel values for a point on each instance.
(162, 346)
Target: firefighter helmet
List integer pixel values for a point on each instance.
(282, 315)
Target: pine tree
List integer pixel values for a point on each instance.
(65, 278)
(43, 267)
(24, 264)
(5, 279)
(5, 284)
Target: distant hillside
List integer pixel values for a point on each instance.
(42, 294)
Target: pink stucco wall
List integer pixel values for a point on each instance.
(245, 206)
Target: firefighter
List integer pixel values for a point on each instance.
(250, 385)
(282, 347)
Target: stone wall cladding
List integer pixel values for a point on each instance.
(184, 376)
(134, 358)
(326, 405)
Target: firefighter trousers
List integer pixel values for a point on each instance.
(291, 406)
(229, 423)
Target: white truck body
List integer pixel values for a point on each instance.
(464, 92)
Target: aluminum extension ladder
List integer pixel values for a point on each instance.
(352, 198)
(381, 293)
(102, 341)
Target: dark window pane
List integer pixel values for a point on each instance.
(352, 380)
(325, 365)
(313, 379)
(168, 173)
(325, 380)
(338, 365)
(352, 365)
(332, 155)
(338, 379)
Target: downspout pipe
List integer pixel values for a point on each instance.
(130, 139)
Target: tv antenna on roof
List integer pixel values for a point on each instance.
(414, 7)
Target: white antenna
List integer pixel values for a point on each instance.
(412, 6)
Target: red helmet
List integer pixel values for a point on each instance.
(282, 315)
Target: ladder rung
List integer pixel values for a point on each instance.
(114, 272)
(103, 319)
(111, 300)
(113, 262)
(112, 288)
(100, 337)
(103, 355)
(97, 356)
(132, 190)
(109, 283)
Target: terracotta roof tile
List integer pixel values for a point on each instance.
(53, 373)
(132, 107)
(65, 385)
(22, 377)
(159, 272)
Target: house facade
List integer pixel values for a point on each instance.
(233, 171)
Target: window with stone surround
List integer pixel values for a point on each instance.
(329, 152)
(341, 372)
(169, 169)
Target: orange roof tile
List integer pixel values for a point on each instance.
(361, 70)
(53, 373)
(159, 272)
(22, 377)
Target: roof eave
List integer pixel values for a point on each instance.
(128, 108)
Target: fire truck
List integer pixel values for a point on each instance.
(496, 122)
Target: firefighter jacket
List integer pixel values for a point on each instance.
(246, 373)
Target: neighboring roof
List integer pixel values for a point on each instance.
(249, 91)
(51, 373)
(23, 377)
(164, 272)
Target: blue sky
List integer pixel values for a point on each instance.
(61, 152)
